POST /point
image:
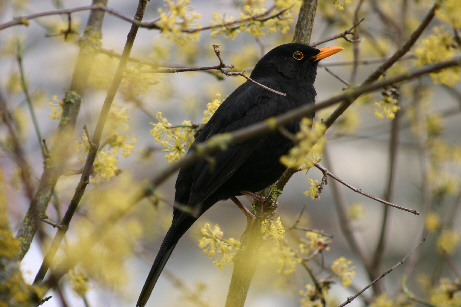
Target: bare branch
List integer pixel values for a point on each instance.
(357, 190)
(386, 65)
(350, 299)
(88, 168)
(343, 35)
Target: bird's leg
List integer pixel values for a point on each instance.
(245, 211)
(258, 198)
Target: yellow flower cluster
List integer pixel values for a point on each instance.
(285, 258)
(450, 11)
(314, 243)
(443, 183)
(287, 4)
(56, 108)
(221, 251)
(309, 145)
(448, 241)
(432, 222)
(273, 229)
(116, 138)
(313, 190)
(310, 297)
(78, 282)
(441, 152)
(248, 21)
(135, 82)
(99, 245)
(180, 16)
(342, 268)
(175, 139)
(438, 47)
(339, 4)
(356, 211)
(211, 107)
(446, 294)
(387, 107)
(382, 300)
(281, 254)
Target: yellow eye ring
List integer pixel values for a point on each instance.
(298, 55)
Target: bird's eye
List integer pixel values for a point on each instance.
(298, 55)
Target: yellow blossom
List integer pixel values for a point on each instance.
(285, 258)
(448, 241)
(432, 222)
(78, 282)
(436, 48)
(310, 297)
(314, 243)
(447, 294)
(450, 11)
(341, 267)
(13, 83)
(56, 108)
(116, 138)
(339, 4)
(136, 82)
(211, 107)
(386, 107)
(356, 211)
(221, 251)
(178, 15)
(313, 190)
(424, 281)
(174, 139)
(102, 254)
(382, 301)
(309, 147)
(273, 229)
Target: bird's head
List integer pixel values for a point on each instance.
(294, 61)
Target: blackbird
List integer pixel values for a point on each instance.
(252, 165)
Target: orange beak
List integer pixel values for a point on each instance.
(326, 52)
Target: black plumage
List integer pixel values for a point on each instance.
(250, 165)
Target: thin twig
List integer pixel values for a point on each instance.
(47, 221)
(242, 73)
(356, 49)
(357, 190)
(362, 62)
(378, 255)
(451, 264)
(350, 299)
(337, 77)
(343, 35)
(24, 20)
(25, 89)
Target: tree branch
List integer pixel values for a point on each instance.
(94, 145)
(386, 65)
(66, 127)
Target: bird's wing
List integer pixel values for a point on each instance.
(250, 105)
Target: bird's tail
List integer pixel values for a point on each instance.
(169, 243)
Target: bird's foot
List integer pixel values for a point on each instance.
(244, 209)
